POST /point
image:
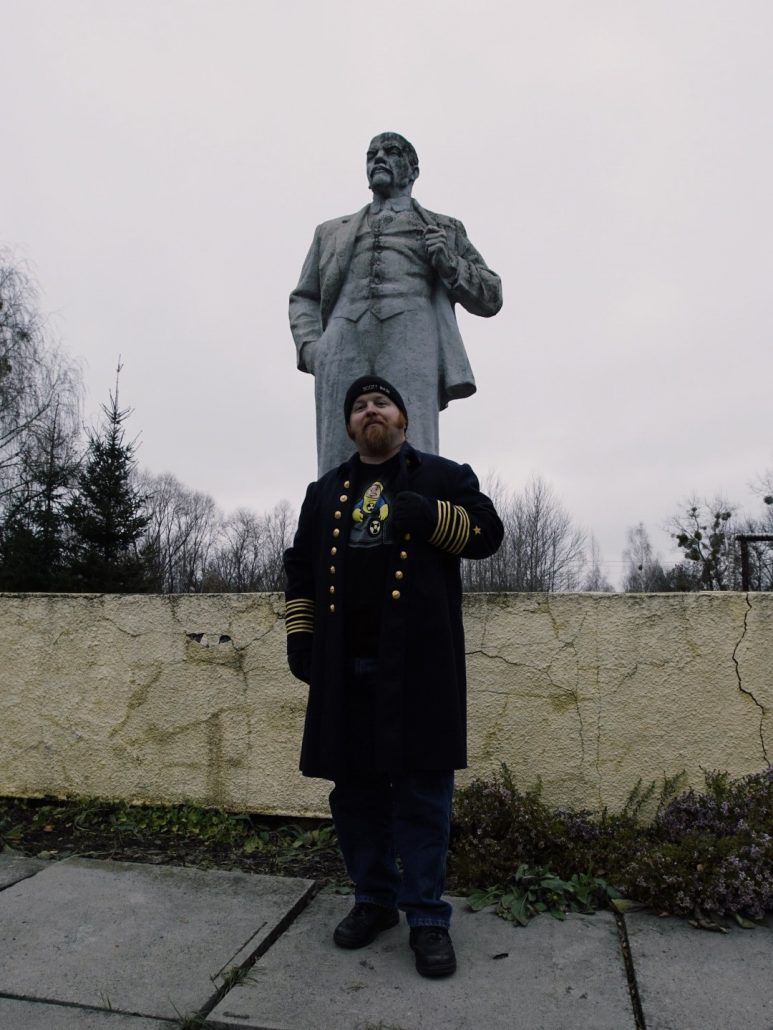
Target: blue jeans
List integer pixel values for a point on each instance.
(381, 816)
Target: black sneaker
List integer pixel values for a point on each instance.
(434, 950)
(363, 925)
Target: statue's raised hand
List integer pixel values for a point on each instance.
(441, 257)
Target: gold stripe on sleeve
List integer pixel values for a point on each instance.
(299, 616)
(453, 528)
(441, 529)
(461, 530)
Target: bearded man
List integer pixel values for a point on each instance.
(374, 626)
(376, 296)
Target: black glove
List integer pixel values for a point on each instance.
(414, 514)
(300, 664)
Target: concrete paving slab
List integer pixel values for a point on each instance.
(36, 1015)
(547, 976)
(18, 867)
(147, 940)
(692, 979)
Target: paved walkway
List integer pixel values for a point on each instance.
(89, 945)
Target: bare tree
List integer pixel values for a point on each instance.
(764, 487)
(491, 574)
(594, 581)
(705, 531)
(197, 550)
(644, 572)
(35, 377)
(542, 550)
(235, 563)
(249, 553)
(183, 529)
(280, 524)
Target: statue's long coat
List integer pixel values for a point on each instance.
(422, 720)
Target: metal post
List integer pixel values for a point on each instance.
(744, 563)
(744, 539)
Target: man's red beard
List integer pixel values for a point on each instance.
(378, 437)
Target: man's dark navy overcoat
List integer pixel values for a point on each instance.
(422, 698)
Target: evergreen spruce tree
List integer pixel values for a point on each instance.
(34, 531)
(107, 515)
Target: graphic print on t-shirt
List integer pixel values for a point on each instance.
(370, 516)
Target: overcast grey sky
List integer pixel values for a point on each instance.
(164, 165)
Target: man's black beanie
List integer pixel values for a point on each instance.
(372, 384)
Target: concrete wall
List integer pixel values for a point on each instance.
(188, 698)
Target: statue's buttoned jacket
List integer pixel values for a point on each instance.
(369, 302)
(421, 717)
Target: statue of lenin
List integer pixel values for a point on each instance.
(376, 296)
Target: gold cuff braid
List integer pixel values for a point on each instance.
(299, 616)
(453, 528)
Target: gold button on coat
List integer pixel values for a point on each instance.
(332, 607)
(336, 514)
(396, 595)
(332, 590)
(336, 532)
(398, 574)
(334, 550)
(403, 555)
(332, 570)
(346, 484)
(343, 498)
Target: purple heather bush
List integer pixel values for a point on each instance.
(709, 850)
(714, 849)
(718, 875)
(726, 807)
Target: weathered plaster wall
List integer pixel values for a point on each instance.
(188, 697)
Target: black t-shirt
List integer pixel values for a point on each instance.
(367, 554)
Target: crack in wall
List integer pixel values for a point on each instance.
(741, 687)
(492, 738)
(486, 617)
(573, 695)
(214, 764)
(138, 698)
(542, 670)
(493, 657)
(132, 634)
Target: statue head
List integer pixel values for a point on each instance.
(392, 165)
